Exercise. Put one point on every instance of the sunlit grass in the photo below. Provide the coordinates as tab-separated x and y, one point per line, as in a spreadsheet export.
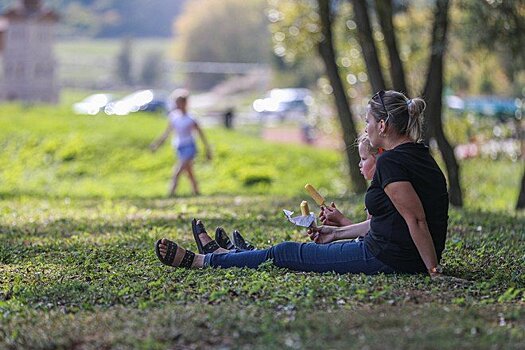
83	201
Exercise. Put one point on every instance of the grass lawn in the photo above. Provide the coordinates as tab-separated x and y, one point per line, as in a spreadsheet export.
93	63
82	202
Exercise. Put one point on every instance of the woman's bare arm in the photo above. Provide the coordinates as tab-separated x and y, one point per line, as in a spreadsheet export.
408	204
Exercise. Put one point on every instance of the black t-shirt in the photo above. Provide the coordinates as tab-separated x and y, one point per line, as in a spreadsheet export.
389	239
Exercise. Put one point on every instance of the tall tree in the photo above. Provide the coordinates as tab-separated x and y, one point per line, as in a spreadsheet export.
499	26
433	92
367	43
385	16
521	198
327	53
222	31
124	69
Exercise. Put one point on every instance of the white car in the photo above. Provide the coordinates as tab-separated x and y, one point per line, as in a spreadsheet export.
143	100
92	104
282	102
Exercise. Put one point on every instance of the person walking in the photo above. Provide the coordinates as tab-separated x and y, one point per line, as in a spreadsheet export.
183	126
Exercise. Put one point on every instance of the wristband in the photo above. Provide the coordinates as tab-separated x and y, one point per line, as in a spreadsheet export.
436	269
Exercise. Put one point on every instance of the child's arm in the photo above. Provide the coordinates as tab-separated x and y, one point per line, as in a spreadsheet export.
327	234
333	217
204	140
157	143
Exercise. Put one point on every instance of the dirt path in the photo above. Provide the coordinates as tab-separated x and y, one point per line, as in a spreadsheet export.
294	135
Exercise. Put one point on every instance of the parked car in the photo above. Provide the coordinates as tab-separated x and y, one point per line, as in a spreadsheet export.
491	106
143	100
92	104
284	103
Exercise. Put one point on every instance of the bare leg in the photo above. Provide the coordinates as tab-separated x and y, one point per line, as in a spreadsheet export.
198	262
193	180
179	168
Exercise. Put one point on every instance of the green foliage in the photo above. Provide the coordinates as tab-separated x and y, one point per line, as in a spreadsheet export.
222	31
66	263
498	26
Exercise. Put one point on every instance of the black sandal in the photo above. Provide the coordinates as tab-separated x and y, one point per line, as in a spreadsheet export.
198	228
222	239
240	242
168	259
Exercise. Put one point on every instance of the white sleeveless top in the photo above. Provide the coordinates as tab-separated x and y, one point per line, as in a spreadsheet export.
183	125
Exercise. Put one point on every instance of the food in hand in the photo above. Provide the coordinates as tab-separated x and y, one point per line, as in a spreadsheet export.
305	210
315	195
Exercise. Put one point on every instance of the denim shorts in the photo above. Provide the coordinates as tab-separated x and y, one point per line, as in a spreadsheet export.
187	151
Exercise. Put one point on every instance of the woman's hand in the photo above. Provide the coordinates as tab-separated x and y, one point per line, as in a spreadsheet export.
153	147
333	217
322	234
208	154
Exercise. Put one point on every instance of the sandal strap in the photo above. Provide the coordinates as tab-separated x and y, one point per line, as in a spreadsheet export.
199	228
170	253
188	259
210	247
221	237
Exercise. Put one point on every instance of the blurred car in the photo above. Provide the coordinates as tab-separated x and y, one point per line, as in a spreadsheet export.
92	104
491	106
143	100
284	102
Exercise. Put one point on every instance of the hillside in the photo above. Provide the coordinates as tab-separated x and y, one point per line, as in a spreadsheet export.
112	18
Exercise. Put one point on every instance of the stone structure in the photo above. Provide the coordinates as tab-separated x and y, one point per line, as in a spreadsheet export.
29	63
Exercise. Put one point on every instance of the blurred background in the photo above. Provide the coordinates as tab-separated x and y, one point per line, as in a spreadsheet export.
266	68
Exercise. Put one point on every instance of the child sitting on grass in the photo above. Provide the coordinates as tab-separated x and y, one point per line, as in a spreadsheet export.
330	215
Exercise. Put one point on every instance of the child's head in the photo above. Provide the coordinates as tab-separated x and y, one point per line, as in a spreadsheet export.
367	153
179	99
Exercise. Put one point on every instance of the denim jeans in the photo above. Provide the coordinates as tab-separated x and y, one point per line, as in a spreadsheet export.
339	257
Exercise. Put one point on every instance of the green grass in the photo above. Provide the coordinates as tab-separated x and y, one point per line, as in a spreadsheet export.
82	201
92	63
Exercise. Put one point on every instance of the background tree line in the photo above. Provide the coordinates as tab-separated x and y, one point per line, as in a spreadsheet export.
370	31
112	18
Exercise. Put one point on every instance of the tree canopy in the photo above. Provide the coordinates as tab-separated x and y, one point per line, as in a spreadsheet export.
222	31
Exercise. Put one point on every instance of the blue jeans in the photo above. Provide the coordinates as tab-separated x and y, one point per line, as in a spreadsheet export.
340	257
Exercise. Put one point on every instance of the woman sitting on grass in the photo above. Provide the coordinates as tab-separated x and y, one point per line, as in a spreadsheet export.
407	199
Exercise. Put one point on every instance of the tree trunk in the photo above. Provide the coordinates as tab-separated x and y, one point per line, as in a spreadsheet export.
385	15
366	41
521	198
433	96
327	53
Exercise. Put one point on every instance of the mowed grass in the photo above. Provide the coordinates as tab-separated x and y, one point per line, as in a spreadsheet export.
82	202
93	63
